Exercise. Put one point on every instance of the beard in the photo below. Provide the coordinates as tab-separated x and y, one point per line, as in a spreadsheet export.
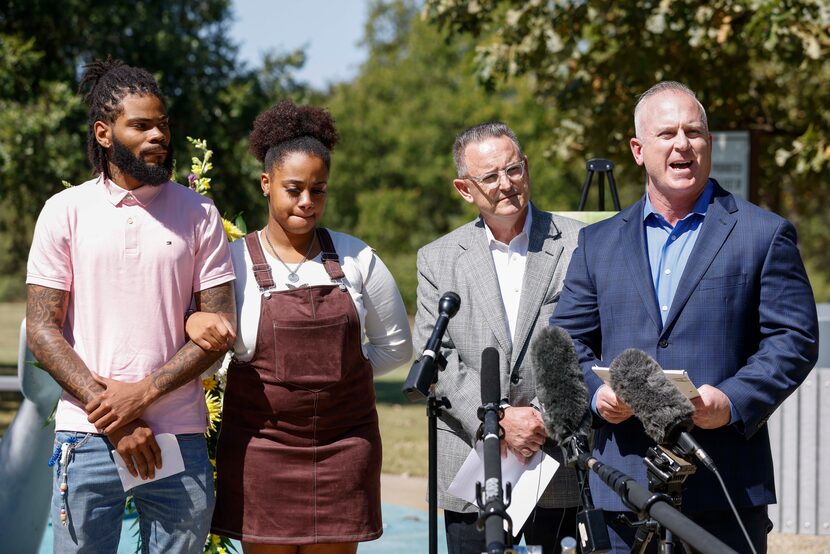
138	169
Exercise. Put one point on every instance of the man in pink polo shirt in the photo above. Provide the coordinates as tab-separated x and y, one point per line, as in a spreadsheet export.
113	267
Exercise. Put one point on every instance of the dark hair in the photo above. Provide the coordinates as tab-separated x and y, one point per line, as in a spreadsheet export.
286	128
111	80
479	133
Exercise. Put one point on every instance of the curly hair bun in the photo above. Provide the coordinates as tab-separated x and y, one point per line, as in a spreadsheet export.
286	121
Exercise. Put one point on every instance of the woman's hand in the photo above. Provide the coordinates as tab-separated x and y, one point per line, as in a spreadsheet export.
210	331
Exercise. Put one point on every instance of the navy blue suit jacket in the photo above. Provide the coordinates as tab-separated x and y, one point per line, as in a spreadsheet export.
743	319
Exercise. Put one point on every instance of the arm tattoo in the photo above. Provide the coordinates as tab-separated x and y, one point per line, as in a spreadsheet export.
45	314
190	361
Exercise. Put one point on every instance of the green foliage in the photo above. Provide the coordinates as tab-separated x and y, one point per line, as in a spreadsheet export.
185	44
403	267
392	171
761	65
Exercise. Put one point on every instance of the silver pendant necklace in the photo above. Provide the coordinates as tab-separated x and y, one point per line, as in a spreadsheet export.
292	275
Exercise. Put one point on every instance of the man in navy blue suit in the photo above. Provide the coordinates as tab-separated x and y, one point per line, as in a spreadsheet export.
702	281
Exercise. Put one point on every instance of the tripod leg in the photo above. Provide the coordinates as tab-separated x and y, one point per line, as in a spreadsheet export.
585	187
601	191
612	185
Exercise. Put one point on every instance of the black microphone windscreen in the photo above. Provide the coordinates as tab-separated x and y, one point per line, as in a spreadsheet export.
449	304
639	381
560	385
490	381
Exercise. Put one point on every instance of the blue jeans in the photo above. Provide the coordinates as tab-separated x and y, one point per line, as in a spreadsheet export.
173	513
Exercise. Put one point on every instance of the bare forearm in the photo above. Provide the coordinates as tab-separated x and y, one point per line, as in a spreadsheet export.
191	360
45	313
187	364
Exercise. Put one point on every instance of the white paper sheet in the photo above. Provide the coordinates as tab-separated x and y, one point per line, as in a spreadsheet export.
171	462
679	377
528	481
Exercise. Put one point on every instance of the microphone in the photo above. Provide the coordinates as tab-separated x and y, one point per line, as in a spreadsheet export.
423	373
560	386
492	503
666	414
561	389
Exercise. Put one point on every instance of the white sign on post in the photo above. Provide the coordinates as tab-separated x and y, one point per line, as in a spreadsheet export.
730	161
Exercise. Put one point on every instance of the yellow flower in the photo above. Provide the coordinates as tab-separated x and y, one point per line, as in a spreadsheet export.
214	406
232	231
209	384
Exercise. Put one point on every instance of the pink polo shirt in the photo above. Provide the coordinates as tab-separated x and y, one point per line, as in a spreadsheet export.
131	261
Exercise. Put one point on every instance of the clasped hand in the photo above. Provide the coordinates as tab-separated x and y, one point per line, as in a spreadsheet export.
137	445
524	432
712	408
118	404
210	331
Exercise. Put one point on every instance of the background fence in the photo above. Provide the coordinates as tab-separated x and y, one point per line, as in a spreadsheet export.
800	438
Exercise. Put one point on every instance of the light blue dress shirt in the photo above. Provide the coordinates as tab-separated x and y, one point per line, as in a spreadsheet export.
669	247
668	252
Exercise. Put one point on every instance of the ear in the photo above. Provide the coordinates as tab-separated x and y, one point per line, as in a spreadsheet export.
637	150
463	188
265	183
103	133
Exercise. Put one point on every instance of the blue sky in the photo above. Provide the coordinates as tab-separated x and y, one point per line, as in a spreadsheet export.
330	30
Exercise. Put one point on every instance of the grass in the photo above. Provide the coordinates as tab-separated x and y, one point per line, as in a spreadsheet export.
11	314
403	427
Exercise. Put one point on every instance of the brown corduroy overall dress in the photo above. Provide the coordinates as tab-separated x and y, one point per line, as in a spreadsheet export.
299	453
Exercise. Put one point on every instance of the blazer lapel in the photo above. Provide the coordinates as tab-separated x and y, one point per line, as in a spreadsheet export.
717	225
543	254
477	262
636	259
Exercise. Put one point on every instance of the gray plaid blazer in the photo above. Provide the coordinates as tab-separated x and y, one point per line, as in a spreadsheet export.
461	262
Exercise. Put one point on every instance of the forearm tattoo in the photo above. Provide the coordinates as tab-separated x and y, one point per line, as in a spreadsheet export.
190	361
45	314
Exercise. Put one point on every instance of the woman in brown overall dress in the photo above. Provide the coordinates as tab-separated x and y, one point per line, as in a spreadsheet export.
299	453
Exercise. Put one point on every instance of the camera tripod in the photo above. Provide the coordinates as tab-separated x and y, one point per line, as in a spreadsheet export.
603	167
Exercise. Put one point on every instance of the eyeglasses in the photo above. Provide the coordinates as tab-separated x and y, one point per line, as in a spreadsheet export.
513	172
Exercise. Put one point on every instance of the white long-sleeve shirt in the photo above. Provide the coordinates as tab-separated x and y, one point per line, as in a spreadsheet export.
385	334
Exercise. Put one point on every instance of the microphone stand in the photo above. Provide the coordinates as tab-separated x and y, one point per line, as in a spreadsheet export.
656	506
492	503
420	384
593	536
434	407
666	474
421	380
426	368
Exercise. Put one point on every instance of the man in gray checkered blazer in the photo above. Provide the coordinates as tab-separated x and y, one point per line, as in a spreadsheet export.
507	266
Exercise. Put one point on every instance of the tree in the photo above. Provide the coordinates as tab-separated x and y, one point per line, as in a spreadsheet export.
760	65
392	171
184	43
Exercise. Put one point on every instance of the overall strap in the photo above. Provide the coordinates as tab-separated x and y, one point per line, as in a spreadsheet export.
262	271
329	255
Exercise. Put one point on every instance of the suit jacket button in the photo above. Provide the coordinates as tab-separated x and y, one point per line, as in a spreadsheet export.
663	343
514	378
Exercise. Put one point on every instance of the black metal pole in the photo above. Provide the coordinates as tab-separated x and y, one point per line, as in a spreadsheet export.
613	186
432	417
584	197
601	191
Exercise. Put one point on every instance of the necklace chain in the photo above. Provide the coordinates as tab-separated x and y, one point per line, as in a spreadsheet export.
292	275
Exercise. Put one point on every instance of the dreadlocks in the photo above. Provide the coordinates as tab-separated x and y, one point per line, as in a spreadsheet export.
111	80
